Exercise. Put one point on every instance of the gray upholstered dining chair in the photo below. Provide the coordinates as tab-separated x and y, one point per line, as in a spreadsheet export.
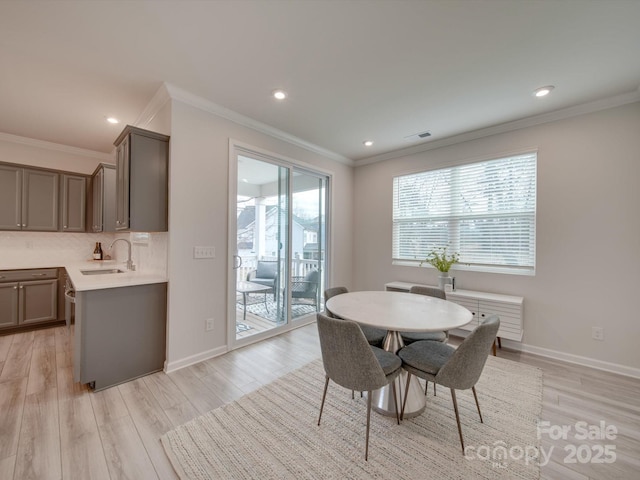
352	363
375	336
410	337
458	369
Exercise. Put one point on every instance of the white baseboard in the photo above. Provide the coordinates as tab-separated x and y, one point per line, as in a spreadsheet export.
185	362
577	359
566	357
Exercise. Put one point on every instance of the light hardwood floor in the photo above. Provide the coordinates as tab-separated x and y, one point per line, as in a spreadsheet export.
53	428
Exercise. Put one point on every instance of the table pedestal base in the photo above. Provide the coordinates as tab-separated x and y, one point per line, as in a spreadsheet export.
382	400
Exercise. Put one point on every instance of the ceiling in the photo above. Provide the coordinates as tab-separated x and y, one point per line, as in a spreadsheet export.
354	70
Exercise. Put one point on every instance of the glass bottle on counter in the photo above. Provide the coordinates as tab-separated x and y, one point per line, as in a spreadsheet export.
97	252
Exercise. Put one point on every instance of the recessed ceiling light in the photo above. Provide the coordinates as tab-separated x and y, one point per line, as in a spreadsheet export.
543	91
367	143
279	94
113	120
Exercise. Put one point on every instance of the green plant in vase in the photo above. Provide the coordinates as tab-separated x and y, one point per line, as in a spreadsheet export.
442	261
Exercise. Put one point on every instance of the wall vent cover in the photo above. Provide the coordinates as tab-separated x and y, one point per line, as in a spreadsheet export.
418	136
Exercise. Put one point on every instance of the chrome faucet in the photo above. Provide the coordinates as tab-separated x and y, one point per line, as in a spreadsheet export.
130	265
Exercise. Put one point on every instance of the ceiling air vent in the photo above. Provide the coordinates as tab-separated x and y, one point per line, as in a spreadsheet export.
418	136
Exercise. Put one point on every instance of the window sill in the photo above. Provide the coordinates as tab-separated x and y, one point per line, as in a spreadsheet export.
461	267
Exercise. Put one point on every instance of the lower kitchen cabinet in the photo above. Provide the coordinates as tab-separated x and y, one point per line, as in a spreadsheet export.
120	334
38	301
28	297
8	304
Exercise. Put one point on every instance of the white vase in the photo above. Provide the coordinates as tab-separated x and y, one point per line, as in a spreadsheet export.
443	279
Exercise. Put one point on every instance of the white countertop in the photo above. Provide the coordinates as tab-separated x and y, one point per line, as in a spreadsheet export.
83	282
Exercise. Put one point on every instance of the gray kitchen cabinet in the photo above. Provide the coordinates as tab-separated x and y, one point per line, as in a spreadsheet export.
120	334
28	199
142	163
39	200
28	297
8	304
10	197
103	195
74	201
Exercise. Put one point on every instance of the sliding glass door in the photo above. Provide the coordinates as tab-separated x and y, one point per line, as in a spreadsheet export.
279	247
307	242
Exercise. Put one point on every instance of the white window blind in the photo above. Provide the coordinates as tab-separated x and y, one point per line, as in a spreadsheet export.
485	211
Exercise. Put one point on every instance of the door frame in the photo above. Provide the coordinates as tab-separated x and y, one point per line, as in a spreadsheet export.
240	148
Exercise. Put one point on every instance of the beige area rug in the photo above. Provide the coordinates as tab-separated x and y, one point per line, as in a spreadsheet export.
272	433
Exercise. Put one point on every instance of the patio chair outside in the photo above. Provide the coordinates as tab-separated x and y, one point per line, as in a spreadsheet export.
304	290
266	273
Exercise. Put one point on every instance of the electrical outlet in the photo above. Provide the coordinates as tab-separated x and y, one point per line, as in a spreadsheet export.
597	333
208	324
204	252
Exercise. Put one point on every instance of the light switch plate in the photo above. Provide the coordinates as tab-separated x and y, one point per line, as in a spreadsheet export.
204	252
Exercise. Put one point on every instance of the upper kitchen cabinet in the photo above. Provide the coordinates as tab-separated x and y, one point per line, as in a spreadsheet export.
10	198
142	163
74	201
28	199
103	194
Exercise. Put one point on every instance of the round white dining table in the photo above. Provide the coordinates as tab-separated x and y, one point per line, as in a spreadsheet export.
399	312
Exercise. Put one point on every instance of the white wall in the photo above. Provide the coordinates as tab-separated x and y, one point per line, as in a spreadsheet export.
198	209
588	232
47	155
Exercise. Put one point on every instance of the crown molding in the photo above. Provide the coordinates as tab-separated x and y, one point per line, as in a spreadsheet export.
32	142
590	107
177	93
160	98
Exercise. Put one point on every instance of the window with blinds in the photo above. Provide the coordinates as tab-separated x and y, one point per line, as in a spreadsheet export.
485	211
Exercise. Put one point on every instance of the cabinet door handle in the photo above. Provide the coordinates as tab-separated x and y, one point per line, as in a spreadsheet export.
18	225
21	287
15	288
64	226
38	274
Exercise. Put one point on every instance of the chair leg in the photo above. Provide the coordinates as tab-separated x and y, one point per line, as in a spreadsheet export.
475	395
324	395
455	408
406	394
426	387
395	400
352	395
366	448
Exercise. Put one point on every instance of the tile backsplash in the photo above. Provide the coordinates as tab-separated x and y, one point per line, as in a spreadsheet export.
47	248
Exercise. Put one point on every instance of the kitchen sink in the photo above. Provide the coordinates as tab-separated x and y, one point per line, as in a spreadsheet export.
101	271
